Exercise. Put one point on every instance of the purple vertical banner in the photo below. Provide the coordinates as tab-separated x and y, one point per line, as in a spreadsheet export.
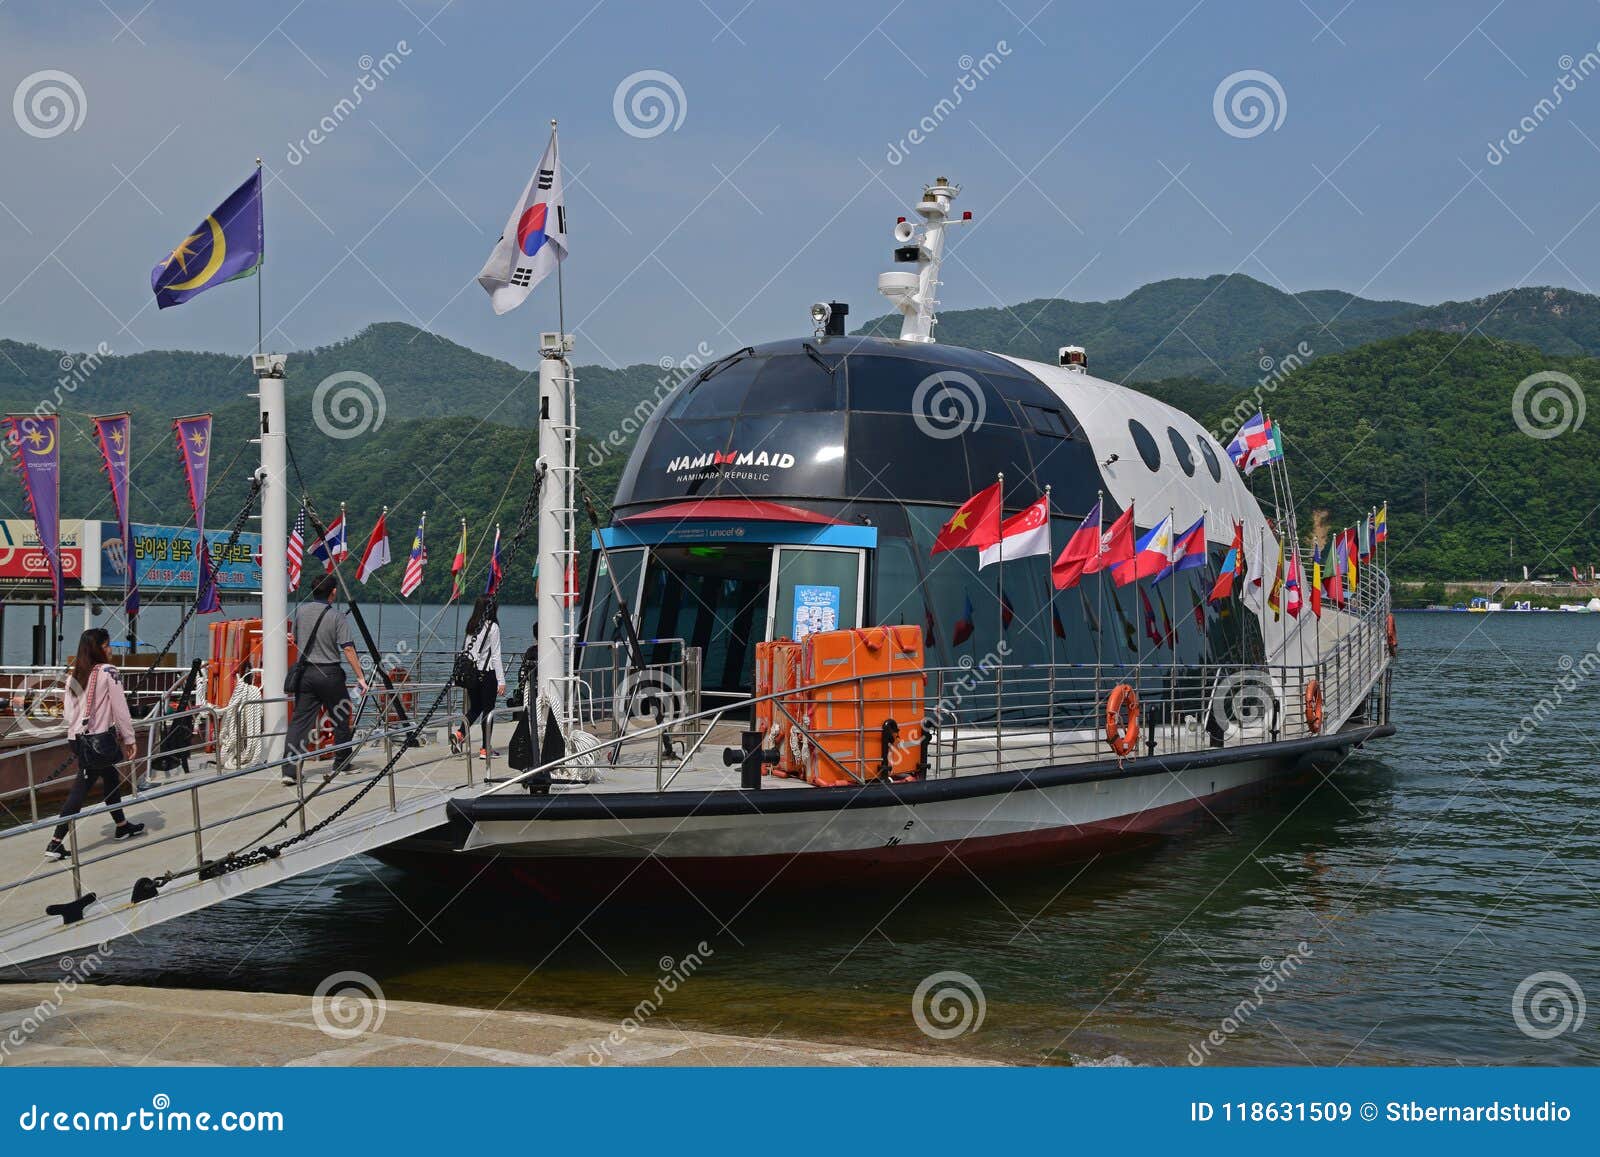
35	444
115	435
194	445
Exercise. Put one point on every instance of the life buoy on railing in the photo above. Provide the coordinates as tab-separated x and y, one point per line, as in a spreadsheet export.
1393	638
1314	707
1122	719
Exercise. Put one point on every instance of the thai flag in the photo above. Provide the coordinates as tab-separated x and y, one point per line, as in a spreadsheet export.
331	547
495	573
1150	554
297	549
1189	551
412	579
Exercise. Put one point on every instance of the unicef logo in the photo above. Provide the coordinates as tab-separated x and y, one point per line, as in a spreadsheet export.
48	103
348	404
648	103
948	404
1248	103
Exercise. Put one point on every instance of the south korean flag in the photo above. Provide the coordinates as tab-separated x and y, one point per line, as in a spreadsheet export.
535	237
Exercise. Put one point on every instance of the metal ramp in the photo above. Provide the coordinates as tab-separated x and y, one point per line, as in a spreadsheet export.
198	819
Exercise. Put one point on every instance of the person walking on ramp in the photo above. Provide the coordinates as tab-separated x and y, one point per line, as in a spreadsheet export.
100	734
323	634
487	680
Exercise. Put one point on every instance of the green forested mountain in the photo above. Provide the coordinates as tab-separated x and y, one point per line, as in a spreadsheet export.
1222	327
1416	410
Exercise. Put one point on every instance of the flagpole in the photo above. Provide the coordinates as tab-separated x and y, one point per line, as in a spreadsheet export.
1099	600
260	262
1050	626
1172	630
422	538
1000	592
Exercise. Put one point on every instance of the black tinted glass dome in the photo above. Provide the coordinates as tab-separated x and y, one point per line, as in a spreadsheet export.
857	417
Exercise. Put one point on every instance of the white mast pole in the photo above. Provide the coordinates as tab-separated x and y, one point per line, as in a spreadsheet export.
269	370
553	633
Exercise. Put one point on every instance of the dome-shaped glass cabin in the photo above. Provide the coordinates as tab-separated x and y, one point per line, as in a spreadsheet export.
799	485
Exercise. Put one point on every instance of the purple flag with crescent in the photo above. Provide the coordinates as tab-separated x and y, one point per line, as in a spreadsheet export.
35	444
115	434
194	444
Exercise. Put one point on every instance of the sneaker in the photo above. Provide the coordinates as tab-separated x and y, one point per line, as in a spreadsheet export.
55	850
290	781
127	831
458	742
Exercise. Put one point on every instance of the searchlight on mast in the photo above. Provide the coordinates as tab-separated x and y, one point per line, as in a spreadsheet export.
914	294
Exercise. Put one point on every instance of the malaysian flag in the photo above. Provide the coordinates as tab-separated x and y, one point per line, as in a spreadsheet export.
297	549
412	579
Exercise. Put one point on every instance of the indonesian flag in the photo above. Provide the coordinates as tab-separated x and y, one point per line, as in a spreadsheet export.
1150	555
376	553
976	523
1116	544
412	578
535	238
1021	535
1080	550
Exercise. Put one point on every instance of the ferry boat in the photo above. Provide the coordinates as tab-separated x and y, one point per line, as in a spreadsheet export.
792	491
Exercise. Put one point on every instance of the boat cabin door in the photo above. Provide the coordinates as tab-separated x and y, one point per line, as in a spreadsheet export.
815	588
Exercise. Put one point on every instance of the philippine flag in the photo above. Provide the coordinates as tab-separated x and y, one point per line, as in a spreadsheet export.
1150	555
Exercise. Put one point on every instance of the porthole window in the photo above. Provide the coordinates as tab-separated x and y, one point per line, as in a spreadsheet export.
1181	449
1145	444
1210	456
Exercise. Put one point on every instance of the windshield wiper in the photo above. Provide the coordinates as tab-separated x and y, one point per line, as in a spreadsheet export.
724	362
811	352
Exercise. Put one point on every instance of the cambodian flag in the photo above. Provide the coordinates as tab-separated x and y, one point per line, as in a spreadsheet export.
1189	551
495	573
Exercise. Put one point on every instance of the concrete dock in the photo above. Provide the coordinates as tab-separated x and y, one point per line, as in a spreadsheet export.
122	1025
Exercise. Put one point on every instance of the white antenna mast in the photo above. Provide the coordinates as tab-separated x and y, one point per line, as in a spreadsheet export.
915	295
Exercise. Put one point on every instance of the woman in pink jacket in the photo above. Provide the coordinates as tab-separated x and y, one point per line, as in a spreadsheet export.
95	703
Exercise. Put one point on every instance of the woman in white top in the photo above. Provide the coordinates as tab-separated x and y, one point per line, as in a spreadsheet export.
482	647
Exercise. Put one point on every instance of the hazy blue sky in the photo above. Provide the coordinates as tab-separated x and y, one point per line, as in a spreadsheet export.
1090	155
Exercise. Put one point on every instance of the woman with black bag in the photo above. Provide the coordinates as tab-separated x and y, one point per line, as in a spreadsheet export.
482	675
100	734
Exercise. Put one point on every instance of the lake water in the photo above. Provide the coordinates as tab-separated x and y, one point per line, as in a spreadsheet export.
1397	903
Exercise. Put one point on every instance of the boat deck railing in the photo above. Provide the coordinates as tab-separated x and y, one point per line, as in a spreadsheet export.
994	716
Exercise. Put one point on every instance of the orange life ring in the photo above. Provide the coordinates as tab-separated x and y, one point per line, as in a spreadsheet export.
1393	637
1122	719
1314	706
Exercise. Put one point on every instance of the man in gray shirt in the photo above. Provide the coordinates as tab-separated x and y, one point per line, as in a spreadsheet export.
322	632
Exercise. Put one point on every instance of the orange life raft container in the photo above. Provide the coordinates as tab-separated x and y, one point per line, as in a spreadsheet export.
869	727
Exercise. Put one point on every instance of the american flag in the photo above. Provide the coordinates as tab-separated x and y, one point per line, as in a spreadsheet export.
412	579
297	549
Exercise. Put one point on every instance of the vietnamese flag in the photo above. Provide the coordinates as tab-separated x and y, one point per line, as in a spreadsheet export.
1116	545
1080	551
976	523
